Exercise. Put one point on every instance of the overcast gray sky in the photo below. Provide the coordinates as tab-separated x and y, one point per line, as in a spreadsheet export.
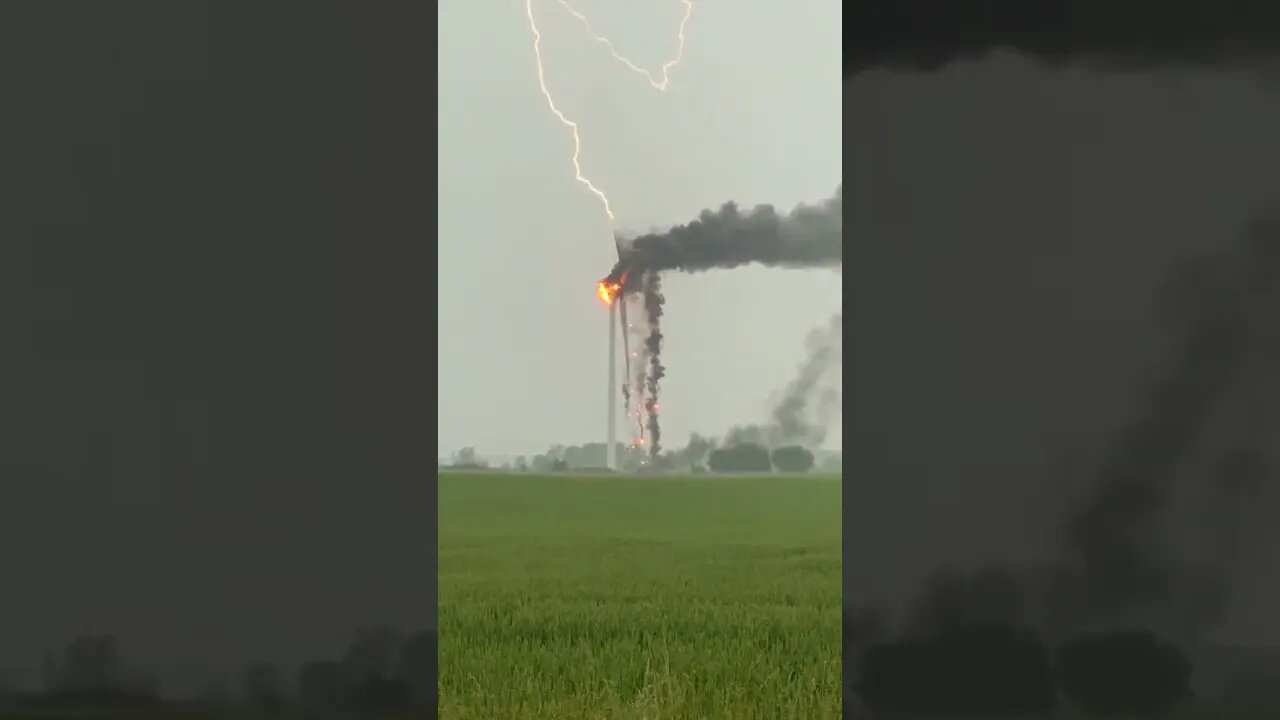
752	114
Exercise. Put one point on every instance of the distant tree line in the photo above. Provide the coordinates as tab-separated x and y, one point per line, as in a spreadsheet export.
466	458
701	454
752	457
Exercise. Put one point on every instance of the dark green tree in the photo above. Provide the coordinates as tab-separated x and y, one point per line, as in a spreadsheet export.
744	458
466	457
792	459
695	453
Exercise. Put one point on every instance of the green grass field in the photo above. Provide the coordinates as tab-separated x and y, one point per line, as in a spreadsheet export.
663	598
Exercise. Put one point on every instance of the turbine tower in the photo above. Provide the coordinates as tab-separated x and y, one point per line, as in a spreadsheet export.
617	318
611	402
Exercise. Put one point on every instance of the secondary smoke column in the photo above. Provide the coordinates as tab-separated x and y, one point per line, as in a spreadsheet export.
792	417
809	401
809	236
924	35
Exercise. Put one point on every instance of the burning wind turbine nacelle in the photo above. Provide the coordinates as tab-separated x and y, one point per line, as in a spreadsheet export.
608	291
610	287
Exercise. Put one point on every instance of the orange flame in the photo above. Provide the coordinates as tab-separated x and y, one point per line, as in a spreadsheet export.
608	291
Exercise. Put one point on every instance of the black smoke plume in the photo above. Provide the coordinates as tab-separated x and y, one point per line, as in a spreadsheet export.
925	35
809	236
626	394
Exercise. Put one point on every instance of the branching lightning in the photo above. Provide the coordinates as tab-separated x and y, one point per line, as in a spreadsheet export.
658	81
573	127
655	83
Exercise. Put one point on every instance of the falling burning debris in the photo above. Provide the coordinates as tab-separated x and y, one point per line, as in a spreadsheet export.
653	300
635	388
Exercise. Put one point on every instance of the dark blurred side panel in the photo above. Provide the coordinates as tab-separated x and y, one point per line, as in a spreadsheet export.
216	251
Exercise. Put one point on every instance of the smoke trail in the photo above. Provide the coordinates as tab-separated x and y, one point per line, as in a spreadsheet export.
653	300
810	236
825	347
626	394
804	413
926	35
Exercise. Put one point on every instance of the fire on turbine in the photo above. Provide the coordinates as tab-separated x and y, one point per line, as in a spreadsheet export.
609	288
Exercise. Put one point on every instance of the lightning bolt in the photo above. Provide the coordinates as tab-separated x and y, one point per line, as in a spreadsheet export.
659	83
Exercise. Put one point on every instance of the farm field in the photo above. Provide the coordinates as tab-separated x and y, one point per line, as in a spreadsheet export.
621	597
